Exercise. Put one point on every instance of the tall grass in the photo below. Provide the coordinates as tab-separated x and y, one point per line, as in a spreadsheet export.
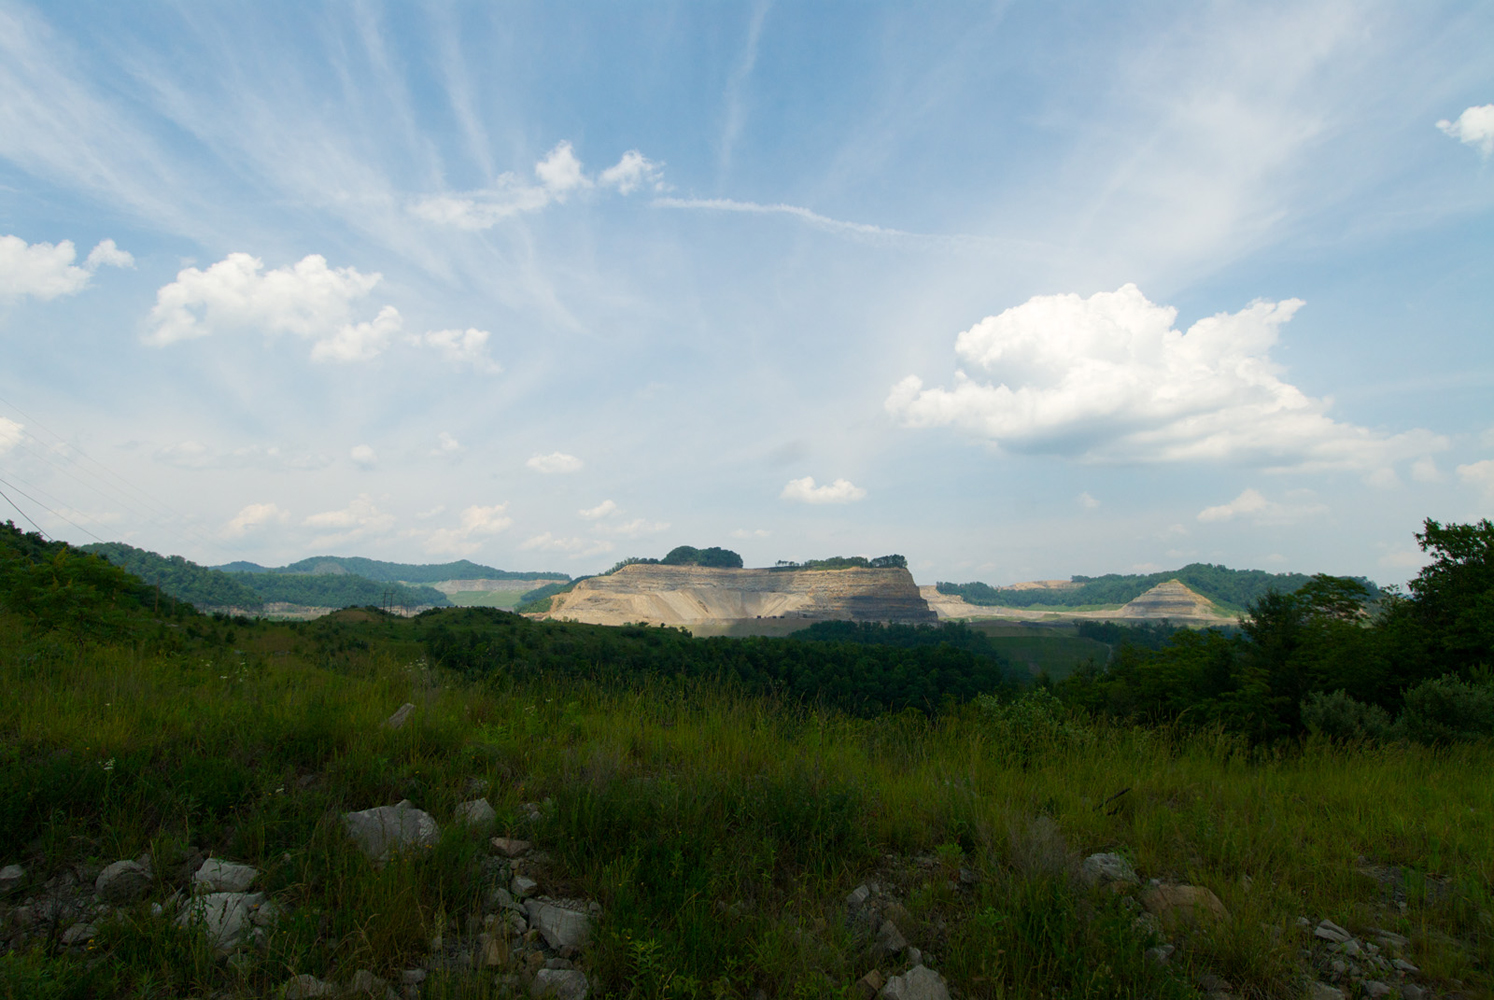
719	832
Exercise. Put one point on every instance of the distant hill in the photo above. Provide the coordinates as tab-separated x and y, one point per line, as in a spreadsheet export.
326	590
1231	589
183	579
391	572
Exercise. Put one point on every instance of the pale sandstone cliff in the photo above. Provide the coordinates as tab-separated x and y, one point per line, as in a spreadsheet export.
686	595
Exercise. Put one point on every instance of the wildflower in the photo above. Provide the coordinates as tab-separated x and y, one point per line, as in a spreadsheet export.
109	764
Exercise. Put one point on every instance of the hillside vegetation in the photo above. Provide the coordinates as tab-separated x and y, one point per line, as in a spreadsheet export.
744	818
1231	589
391	572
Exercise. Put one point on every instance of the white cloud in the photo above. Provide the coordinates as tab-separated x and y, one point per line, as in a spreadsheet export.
10	434
363	456
636	528
462	348
1107	378
1475	127
600	510
447	445
1424	470
575	547
555	462
256	515
359	519
1251	505
632	172
1480	474
805	491
476	524
1086	501
754	533
560	174
45	270
196	455
308	299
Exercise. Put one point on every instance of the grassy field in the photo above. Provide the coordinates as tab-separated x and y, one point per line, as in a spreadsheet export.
505	599
720	834
1052	650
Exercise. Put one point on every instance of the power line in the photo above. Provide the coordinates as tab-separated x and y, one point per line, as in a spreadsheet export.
49	510
27	517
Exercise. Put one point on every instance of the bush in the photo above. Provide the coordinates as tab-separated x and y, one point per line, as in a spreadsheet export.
1343	719
1448	710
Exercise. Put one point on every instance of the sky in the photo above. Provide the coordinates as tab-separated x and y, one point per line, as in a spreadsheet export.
1017	290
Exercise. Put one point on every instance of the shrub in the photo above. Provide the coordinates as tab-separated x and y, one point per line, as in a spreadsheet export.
1447	710
1342	718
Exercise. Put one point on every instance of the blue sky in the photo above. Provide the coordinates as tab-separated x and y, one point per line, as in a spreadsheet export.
1017	290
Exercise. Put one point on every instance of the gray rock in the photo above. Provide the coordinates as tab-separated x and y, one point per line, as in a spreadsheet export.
1390	939
1323	991
890	940
412	977
1405	966
858	895
510	848
305	986
1374	988
225	917
385	830
268	914
478	812
122	882
217	875
401	714
1161	954
78	934
11	877
1410	991
563	984
915	957
918	983
1329	931
523	886
1100	869
561	928
364	981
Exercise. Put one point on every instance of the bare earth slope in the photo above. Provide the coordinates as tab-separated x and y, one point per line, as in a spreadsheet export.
690	595
1173	600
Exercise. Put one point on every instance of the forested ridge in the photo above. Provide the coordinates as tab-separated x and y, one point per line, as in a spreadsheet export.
392	572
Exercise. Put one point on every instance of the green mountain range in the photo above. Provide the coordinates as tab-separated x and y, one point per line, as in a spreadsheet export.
390	572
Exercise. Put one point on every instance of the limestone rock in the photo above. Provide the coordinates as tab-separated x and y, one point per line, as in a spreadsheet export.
478	812
510	848
1099	869
122	882
522	886
890	940
383	830
225	917
364	981
1329	931
1374	989
1173	600
1183	904
561	928
217	875
11	876
563	984
401	714
870	985
858	895
918	983
78	934
1324	991
305	986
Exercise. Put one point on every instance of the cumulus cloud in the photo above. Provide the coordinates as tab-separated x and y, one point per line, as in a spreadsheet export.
447	445
1475	127
256	515
1424	470
10	434
363	456
477	523
1086	501
307	299
559	175
359	519
633	171
1107	378
555	462
600	510
46	270
1251	505
574	547
805	491
1480	474
462	348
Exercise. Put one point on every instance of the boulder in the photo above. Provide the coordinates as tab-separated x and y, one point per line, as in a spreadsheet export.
78	934
1329	931
217	875
869	985
11	877
858	895
918	983
366	982
122	882
563	984
523	886
1101	869
561	928
304	986
225	917
385	830
478	812
1324	991
397	720
510	848
1183	904
890	940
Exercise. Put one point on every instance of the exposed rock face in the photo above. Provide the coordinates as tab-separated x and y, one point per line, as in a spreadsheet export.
684	595
1173	599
